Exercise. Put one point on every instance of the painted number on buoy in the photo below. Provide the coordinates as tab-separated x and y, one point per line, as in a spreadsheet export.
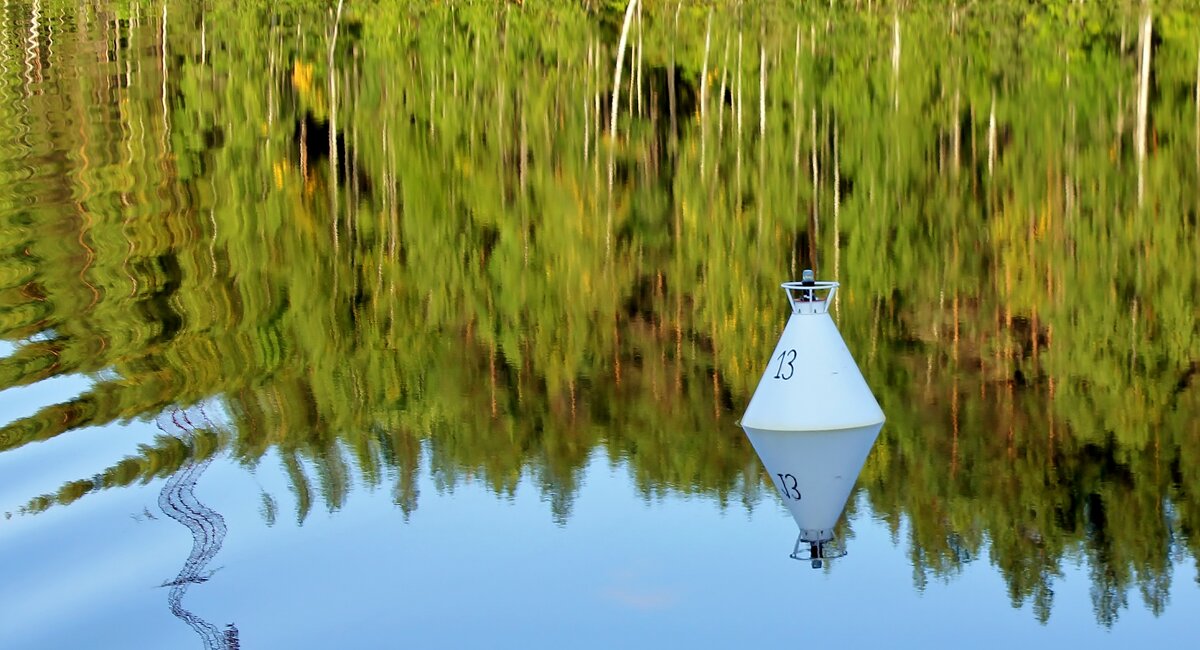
791	488
786	357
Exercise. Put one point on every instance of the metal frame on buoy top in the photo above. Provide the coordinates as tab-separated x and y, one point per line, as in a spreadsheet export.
809	296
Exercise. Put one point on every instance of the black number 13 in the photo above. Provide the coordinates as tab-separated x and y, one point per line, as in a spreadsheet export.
787	356
791	489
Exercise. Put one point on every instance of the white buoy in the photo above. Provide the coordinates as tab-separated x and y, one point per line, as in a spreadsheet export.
812	419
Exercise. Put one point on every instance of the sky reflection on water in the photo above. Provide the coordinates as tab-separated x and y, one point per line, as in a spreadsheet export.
471	569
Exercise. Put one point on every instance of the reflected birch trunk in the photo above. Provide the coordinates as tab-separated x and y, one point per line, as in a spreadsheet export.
165	73
5	46
597	118
1121	96
386	207
616	96
352	160
333	121
837	212
272	67
633	78
587	107
640	52
523	164
762	138
896	62
798	85
738	144
704	94
33	59
1143	105
612	129
721	109
956	135
1072	150
671	99
816	203
991	137
762	92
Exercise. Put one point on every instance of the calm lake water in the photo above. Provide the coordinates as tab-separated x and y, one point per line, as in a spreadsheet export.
430	325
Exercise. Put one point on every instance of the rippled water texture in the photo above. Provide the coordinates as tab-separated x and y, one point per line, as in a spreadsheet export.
373	324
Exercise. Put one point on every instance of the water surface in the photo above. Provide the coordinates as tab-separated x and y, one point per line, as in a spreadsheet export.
405	324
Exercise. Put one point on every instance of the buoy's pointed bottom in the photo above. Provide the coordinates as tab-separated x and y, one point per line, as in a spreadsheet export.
814	471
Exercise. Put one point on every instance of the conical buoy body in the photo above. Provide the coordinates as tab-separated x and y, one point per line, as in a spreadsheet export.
812	420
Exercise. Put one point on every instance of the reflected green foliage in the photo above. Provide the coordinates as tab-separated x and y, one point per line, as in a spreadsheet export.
408	231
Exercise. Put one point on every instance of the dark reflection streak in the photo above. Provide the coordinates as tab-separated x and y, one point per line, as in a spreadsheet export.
178	501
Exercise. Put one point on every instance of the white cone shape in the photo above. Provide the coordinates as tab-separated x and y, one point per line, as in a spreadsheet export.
812	420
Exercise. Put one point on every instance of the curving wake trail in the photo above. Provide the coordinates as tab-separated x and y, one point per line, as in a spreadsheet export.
178	501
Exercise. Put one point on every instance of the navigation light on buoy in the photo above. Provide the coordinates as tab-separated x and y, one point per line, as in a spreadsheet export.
812	420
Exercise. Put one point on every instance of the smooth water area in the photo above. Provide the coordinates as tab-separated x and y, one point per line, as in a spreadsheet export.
374	324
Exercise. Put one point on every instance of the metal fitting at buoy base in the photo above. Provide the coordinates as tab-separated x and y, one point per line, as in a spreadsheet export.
817	550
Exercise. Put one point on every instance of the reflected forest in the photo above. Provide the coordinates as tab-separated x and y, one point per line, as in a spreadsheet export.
493	239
